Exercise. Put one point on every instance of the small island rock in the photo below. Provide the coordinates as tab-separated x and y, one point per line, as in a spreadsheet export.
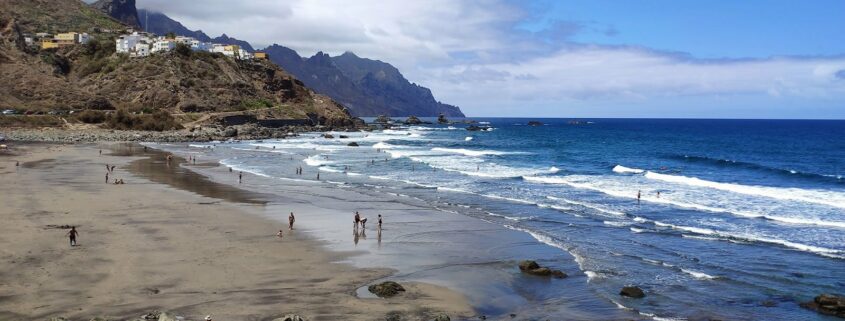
632	292
386	289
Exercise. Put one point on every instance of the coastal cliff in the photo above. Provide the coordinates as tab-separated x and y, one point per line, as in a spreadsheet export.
184	83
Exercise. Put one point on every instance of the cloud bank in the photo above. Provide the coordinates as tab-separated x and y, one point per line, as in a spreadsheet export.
476	55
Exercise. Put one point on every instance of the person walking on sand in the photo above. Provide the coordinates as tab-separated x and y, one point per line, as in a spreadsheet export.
72	234
379	223
639	195
107	177
240	177
291	219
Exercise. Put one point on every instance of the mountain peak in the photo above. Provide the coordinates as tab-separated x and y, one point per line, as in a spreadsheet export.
122	10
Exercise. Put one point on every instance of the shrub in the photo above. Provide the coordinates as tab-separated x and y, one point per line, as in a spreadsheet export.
256	103
183	50
91	116
158	121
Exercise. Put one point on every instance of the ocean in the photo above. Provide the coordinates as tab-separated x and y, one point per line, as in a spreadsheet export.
737	219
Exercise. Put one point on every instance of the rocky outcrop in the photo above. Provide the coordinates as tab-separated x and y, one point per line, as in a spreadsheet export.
531	267
442	317
632	292
122	10
290	317
413	120
352	144
386	289
827	304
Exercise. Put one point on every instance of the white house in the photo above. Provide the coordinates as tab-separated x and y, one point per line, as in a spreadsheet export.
141	49
197	45
128	43
163	46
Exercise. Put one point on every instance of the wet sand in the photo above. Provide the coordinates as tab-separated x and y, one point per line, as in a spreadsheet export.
169	240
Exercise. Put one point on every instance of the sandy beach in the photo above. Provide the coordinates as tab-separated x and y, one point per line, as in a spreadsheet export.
147	246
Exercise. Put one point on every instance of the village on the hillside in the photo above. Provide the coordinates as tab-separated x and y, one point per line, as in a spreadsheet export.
142	44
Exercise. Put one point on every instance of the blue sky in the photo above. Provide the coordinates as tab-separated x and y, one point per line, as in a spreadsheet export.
573	58
705	29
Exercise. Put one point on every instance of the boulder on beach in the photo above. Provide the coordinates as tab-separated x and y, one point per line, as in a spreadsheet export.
353	144
632	292
164	316
828	304
290	317
442	317
386	289
531	267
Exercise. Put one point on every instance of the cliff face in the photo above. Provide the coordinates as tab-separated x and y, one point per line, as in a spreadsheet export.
122	10
368	87
94	76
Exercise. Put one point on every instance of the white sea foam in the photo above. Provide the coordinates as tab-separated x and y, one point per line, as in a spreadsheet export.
828	198
554	169
317	160
698	275
468	138
587	205
626	170
469	152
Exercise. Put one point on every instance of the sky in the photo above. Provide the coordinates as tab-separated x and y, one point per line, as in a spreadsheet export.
571	58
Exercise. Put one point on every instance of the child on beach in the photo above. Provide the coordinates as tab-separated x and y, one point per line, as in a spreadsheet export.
72	235
279	234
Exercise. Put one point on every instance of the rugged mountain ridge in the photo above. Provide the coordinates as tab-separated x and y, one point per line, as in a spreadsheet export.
122	10
93	76
344	78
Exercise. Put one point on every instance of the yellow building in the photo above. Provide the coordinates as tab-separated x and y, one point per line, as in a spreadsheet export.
49	44
260	55
67	38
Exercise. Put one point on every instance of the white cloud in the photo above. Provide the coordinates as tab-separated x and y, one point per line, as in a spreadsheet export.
471	53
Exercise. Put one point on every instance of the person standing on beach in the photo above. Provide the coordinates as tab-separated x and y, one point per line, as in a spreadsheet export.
291	219
101	152
639	195
379	223
318	176
240	177
72	234
107	177
357	219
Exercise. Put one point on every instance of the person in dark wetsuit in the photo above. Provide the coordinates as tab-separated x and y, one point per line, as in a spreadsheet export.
72	234
291	219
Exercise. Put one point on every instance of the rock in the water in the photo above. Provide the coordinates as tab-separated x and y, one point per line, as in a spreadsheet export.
441	119
828	304
528	265
342	136
386	289
442	317
290	317
534	123
531	267
353	144
632	292
329	136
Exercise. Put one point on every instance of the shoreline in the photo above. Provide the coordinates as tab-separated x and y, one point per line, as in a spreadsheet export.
217	256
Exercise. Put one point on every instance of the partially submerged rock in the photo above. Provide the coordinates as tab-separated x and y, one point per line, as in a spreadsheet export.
828	304
386	289
353	144
632	292
531	267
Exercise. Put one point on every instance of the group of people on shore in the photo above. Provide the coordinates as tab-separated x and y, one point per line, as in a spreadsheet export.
362	221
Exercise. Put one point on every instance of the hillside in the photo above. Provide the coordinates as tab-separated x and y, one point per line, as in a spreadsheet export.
343	78
93	76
